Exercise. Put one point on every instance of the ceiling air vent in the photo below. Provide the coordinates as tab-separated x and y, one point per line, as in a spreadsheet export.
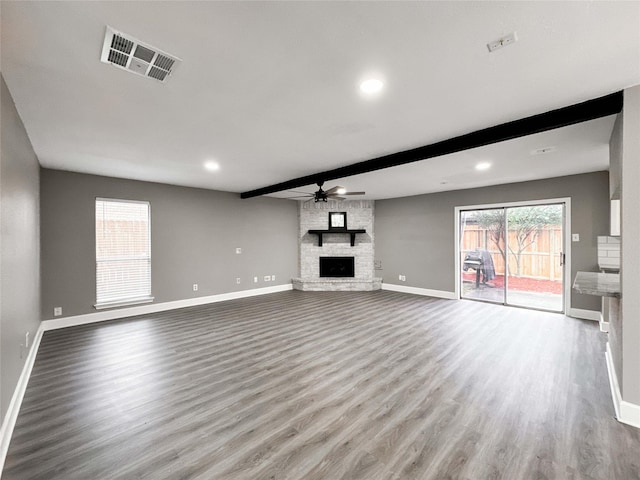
129	53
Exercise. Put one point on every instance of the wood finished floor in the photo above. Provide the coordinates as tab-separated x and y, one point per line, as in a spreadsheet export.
330	385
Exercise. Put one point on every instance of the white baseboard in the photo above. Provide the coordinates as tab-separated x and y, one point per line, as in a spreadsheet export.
9	422
54	324
613	381
626	412
419	291
594	315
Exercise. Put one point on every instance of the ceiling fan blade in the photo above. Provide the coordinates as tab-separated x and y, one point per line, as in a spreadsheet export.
336	197
354	193
333	189
298	191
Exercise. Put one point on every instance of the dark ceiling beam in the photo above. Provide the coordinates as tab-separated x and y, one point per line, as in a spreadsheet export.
562	117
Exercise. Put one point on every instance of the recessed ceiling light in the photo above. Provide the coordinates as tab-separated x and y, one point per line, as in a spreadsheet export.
211	165
371	86
483	166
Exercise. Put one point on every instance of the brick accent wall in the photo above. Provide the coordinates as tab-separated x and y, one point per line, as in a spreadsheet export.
316	216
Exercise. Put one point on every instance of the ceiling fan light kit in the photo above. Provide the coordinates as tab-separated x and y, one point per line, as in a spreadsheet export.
334	193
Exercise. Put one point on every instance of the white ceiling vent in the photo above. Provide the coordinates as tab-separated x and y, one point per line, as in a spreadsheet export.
129	53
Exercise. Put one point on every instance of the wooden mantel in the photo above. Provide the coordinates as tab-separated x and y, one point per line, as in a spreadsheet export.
352	233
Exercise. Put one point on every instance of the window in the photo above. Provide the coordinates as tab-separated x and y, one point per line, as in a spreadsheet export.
123	252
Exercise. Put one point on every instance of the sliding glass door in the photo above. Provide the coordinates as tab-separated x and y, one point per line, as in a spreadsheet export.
482	254
514	255
535	270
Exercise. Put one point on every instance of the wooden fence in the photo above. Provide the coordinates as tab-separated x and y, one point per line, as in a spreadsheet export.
540	260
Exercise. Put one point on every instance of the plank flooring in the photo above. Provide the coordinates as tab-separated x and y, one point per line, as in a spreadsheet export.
324	385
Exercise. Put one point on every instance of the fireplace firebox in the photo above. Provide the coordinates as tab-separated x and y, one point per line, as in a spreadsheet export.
337	266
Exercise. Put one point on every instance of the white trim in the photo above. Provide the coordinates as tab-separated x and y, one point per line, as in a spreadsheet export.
626	412
613	381
419	291
629	413
547	201
594	315
121	200
604	326
9	422
525	203
53	324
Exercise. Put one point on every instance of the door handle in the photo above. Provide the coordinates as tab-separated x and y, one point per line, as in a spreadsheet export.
562	259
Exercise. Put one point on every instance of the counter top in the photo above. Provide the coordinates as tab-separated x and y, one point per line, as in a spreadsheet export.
601	284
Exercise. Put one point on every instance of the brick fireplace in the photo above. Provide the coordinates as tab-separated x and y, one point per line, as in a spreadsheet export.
315	216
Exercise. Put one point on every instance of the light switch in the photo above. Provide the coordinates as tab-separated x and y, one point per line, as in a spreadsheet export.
575	237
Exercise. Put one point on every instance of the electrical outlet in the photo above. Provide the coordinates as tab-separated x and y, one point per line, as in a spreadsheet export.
575	237
402	278
255	279
26	340
195	287
238	250
57	311
238	280
267	278
273	278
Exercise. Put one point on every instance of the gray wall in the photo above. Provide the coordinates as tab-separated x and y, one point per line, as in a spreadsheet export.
20	247
615	179
415	236
615	158
194	233
629	335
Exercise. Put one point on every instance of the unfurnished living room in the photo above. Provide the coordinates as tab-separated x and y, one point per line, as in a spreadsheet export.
377	240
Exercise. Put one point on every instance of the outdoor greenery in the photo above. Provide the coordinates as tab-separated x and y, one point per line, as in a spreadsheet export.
525	224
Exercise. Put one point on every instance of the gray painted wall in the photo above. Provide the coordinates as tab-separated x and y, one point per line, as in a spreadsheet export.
194	233
20	247
615	158
630	259
415	235
615	179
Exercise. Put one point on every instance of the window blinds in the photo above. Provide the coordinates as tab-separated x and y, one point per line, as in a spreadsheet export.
123	252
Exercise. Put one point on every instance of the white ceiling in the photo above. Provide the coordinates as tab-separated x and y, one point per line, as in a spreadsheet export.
269	89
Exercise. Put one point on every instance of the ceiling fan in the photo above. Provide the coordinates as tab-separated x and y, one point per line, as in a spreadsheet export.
334	193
